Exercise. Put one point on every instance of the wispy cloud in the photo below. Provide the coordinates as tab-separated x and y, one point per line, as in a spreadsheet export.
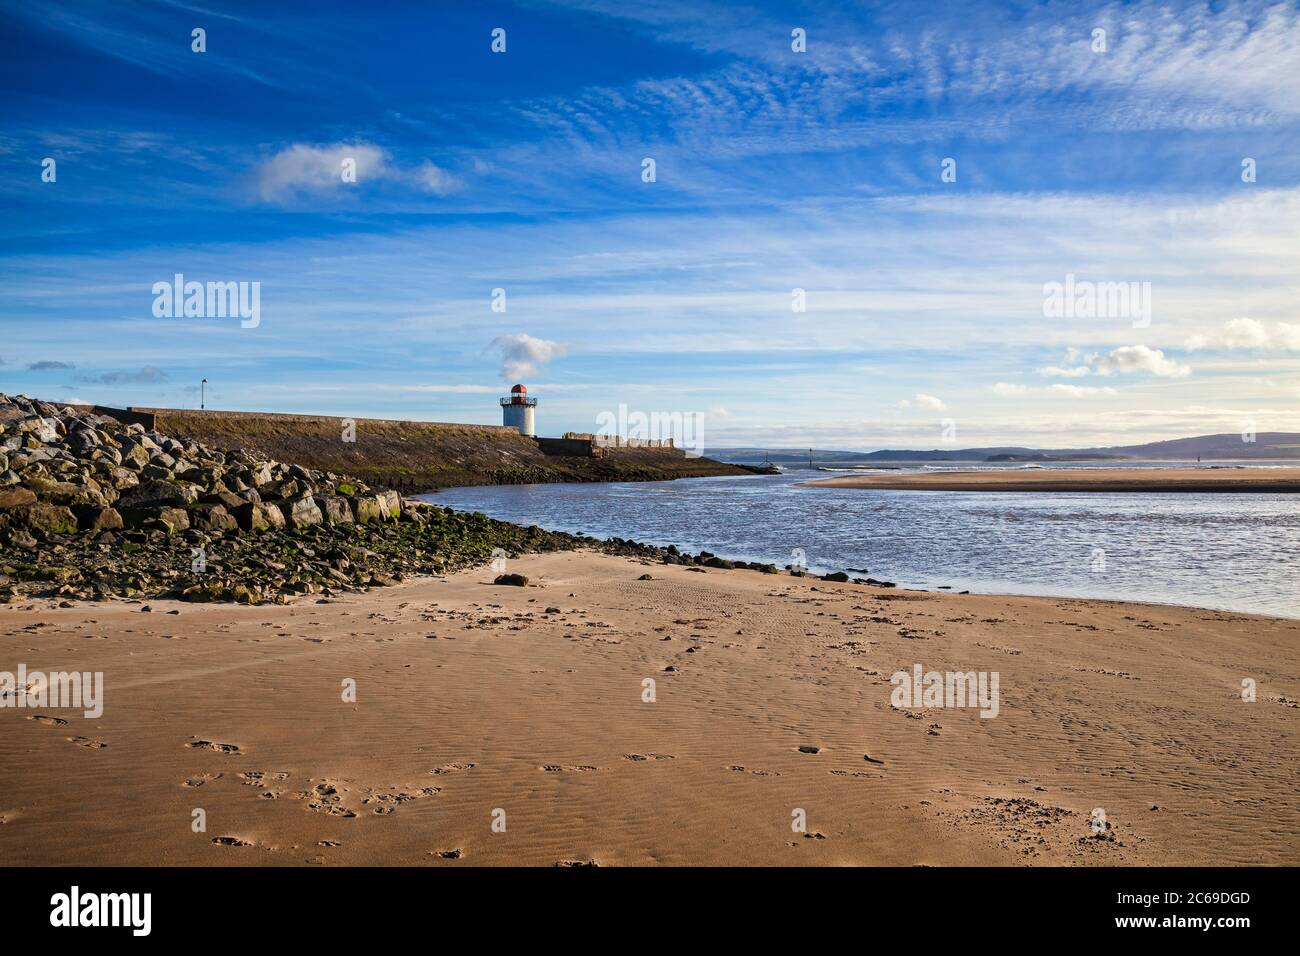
776	171
148	375
1247	333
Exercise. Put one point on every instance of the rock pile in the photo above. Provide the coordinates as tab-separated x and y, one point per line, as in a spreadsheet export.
91	508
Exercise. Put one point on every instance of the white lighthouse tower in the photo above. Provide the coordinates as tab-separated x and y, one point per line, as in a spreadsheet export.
517	411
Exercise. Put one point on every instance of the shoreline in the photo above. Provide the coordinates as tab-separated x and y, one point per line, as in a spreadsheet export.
1152	480
473	697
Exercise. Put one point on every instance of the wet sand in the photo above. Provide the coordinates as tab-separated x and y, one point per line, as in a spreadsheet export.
1164	480
476	705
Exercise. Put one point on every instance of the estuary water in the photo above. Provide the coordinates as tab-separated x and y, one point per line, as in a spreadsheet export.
1233	551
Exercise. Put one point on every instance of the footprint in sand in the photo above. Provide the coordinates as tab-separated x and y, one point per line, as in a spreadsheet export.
385	802
90	743
256	778
573	863
230	841
757	773
48	721
637	758
326	798
200	779
234	749
451	768
559	768
448	854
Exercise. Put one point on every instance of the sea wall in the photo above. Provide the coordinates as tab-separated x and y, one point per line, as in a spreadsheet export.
420	456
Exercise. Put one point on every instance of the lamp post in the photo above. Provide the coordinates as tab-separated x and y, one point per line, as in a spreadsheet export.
203	387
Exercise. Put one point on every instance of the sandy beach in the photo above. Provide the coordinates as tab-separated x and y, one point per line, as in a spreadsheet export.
1270	480
527	706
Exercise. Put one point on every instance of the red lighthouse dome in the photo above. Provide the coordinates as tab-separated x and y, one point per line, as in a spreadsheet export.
518	390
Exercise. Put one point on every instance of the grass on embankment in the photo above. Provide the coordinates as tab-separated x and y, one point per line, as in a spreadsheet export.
422	455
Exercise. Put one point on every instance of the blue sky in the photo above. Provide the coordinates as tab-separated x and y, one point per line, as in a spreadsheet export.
775	170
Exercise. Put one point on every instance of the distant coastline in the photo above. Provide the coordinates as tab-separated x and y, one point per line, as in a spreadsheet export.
1154	480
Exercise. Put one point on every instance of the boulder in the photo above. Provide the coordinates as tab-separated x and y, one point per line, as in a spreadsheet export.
368	508
335	509
172	520
301	512
44	430
93	518
514	580
252	516
83	441
44	518
16	498
232	501
19	538
213	518
164	517
135	457
274	516
67	492
151	494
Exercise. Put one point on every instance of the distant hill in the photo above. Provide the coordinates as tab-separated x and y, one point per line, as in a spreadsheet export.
1267	445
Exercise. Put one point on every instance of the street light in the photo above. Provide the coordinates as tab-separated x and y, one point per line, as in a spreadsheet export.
203	386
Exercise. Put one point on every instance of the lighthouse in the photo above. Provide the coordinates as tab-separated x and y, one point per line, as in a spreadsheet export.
517	411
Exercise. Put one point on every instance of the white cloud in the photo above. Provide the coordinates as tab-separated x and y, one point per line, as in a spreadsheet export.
1056	371
1080	391
1140	358
929	402
435	179
1010	390
523	356
1247	333
302	168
